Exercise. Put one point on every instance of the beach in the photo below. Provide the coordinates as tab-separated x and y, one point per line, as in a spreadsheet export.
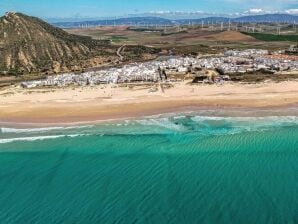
111	102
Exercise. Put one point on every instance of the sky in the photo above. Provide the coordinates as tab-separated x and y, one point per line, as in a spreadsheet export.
113	8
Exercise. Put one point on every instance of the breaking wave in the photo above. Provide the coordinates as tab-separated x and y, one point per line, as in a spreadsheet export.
40	130
166	123
37	138
173	124
207	125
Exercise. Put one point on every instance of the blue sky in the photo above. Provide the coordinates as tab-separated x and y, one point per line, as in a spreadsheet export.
110	8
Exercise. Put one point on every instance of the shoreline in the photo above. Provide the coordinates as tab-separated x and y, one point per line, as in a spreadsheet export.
227	111
78	106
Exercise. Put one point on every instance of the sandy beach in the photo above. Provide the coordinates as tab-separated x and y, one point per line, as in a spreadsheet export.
99	103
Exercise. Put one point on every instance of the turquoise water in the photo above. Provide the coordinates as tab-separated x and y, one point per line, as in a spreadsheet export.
172	169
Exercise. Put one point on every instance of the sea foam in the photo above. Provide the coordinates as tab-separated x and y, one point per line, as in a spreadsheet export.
37	138
39	130
193	124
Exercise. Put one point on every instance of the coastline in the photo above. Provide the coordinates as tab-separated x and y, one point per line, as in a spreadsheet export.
85	105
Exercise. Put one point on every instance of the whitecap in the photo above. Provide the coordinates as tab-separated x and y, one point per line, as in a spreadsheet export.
235	125
39	130
37	138
162	122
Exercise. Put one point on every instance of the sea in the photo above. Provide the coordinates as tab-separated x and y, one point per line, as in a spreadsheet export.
170	168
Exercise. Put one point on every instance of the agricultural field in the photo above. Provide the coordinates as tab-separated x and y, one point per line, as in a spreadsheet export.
187	40
273	37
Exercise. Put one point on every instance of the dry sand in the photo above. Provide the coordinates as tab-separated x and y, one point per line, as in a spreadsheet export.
87	104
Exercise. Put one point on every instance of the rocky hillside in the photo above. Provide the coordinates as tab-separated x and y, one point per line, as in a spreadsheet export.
30	45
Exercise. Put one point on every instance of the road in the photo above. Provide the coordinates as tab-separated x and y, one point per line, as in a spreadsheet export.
120	49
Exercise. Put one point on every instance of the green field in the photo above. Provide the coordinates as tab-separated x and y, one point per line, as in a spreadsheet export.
273	37
115	38
172	33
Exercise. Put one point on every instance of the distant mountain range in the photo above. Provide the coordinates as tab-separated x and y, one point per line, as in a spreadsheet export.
267	18
121	21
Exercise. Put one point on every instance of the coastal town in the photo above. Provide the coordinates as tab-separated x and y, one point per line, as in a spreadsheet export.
142	112
202	68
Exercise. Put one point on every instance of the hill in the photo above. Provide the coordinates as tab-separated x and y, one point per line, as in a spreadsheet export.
30	45
232	36
267	18
117	22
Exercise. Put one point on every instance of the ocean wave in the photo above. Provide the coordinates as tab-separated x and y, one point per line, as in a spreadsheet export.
166	123
174	124
289	119
251	122
40	130
37	138
215	125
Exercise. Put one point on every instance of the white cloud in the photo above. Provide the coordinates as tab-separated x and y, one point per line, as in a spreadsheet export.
292	11
202	14
255	11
